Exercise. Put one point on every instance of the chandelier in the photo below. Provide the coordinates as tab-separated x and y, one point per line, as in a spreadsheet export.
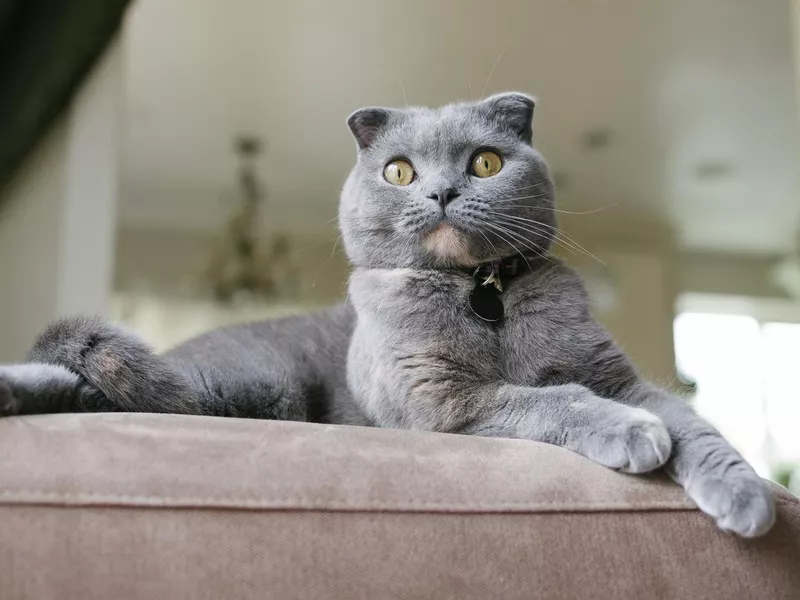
247	265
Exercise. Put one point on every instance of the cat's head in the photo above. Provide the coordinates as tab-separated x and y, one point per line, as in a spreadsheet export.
447	187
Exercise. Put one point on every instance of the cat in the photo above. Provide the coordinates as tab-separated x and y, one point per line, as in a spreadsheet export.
458	319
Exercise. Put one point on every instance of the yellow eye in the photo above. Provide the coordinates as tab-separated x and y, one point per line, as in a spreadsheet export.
399	172
486	164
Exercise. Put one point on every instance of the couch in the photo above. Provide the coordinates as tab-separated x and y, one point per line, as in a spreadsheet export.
119	506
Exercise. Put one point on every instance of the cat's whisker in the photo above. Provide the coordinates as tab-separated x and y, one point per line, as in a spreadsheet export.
558	231
542	232
566	212
494	66
531	197
403	89
335	244
508	231
520	240
522	254
496	251
540	226
555	234
525	187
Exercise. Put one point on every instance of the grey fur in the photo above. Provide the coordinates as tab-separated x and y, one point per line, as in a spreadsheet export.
405	351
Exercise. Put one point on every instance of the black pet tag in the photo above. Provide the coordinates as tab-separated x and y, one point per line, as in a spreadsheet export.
485	304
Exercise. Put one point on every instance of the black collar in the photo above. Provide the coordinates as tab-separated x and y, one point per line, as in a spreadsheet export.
498	272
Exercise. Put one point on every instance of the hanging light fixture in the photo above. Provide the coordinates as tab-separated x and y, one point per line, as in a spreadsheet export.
242	266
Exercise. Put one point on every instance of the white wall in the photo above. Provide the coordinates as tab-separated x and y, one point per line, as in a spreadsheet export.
29	240
57	219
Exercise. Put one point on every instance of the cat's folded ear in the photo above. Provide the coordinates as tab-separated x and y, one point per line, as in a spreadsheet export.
366	124
512	110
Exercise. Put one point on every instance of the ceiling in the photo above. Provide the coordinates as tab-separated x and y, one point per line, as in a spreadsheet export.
682	111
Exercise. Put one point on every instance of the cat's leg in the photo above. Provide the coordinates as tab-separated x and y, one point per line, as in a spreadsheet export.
612	434
86	365
35	388
713	474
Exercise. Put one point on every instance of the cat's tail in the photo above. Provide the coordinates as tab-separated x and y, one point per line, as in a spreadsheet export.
84	364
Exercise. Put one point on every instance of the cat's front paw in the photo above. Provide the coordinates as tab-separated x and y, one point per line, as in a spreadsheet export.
631	440
8	402
738	499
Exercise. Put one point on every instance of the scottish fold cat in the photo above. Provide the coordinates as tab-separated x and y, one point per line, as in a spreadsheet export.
458	320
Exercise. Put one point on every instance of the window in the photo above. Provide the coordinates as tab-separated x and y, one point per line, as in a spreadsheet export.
747	372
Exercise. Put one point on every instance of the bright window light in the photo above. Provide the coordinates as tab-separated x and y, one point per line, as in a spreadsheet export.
748	382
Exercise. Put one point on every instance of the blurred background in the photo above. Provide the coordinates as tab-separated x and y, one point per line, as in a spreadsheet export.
175	165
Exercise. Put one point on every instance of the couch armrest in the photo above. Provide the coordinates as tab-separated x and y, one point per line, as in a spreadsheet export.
166	506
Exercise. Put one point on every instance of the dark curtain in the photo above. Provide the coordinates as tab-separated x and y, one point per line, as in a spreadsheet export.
47	47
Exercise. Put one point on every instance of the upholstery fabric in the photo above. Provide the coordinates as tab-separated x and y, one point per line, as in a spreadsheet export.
166	506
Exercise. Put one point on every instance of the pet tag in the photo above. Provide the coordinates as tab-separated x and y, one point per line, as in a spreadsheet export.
485	304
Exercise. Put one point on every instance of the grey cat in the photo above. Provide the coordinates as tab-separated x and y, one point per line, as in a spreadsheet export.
443	210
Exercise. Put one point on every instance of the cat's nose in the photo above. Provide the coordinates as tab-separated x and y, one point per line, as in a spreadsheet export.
444	197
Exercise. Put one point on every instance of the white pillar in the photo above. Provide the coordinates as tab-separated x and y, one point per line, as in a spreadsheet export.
58	217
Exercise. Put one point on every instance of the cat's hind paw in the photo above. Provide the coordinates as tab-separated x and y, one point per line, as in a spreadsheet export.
739	500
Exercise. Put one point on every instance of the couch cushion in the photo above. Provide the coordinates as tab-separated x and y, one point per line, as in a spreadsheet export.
146	506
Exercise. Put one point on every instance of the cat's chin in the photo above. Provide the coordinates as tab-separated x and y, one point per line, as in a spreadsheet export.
449	245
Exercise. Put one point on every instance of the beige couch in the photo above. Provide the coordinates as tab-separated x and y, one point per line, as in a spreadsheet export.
158	506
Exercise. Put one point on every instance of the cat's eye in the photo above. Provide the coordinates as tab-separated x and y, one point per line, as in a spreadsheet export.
399	172
486	164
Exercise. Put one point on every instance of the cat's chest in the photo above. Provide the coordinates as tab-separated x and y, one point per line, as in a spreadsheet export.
419	309
419	349
410	298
